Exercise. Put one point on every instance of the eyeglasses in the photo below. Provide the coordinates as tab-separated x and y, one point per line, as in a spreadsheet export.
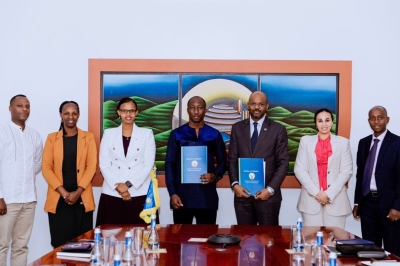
253	104
126	111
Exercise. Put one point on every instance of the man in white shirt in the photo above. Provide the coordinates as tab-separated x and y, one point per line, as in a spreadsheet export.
20	161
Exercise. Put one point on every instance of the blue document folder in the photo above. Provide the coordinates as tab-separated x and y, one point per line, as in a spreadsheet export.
194	163
251	174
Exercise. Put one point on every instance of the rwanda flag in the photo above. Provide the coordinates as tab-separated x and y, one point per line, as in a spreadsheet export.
153	198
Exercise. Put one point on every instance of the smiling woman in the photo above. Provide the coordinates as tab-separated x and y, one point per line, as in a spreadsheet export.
127	156
323	166
69	163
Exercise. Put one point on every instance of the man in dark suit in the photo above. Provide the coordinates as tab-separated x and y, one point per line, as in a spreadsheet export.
269	141
377	195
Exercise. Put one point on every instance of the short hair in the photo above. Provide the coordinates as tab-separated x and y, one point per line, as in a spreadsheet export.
259	92
378	107
320	111
196	97
126	100
13	98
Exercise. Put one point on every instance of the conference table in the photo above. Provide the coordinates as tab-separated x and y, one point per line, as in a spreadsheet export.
260	245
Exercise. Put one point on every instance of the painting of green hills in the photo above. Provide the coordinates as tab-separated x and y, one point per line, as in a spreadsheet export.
158	117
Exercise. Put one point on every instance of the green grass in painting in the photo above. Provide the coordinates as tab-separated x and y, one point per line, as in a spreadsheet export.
158	117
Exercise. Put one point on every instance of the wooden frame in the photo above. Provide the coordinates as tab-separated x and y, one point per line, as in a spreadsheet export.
96	66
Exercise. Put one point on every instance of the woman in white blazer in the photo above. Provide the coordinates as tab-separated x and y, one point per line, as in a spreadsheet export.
323	167
127	155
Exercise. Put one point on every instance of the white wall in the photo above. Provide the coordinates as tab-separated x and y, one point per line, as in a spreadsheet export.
45	47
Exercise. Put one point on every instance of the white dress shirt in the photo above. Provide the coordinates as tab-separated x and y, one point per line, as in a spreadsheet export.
20	162
380	137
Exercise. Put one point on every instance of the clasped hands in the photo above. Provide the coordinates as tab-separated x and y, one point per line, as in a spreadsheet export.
70	197
241	192
322	198
123	190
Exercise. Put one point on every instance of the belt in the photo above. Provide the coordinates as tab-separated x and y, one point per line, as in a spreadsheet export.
374	194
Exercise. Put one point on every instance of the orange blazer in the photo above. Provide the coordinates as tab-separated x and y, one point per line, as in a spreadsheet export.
52	167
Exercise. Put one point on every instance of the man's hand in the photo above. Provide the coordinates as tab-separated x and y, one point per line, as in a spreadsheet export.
393	215
3	207
121	188
241	192
207	178
263	194
322	198
356	215
126	196
176	201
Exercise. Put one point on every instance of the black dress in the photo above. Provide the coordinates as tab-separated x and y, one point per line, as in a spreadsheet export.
69	221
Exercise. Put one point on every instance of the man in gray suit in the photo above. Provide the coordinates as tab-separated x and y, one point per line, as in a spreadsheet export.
258	137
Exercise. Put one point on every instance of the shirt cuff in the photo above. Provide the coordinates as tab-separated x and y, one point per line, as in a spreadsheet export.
234	183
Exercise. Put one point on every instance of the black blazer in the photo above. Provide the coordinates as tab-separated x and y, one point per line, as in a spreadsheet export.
271	145
387	172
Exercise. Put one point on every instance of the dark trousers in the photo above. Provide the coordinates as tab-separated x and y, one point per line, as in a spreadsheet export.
252	212
375	226
69	222
203	216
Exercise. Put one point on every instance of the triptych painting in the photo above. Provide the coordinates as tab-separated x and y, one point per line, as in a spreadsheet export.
162	98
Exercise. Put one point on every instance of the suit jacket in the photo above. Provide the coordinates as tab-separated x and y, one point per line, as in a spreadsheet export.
387	172
53	155
340	169
271	146
135	167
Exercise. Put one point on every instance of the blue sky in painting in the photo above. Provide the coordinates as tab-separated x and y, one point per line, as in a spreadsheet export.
301	92
118	85
189	81
293	92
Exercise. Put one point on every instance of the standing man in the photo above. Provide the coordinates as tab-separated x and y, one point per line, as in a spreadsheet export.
377	195
258	137
195	200
20	161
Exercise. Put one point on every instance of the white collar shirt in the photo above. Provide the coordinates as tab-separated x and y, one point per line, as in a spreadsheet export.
259	125
380	137
20	162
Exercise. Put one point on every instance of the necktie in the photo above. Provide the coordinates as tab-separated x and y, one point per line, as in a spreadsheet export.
369	166
254	137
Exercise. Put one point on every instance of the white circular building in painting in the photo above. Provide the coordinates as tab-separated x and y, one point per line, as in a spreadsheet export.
222	117
224	100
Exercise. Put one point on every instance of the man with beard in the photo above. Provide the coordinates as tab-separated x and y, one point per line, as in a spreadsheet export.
258	137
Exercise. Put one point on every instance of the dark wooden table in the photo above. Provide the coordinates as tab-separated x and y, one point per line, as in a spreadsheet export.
260	245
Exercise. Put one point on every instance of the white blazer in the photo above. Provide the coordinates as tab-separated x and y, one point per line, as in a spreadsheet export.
135	167
340	169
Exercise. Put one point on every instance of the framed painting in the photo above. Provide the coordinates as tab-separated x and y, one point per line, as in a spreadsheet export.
161	88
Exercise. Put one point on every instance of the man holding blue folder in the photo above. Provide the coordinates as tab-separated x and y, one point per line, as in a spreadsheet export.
258	137
194	198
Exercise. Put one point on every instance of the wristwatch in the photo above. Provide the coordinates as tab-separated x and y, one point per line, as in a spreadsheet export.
271	190
129	184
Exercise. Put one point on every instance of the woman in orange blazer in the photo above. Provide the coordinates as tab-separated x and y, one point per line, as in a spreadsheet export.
68	165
